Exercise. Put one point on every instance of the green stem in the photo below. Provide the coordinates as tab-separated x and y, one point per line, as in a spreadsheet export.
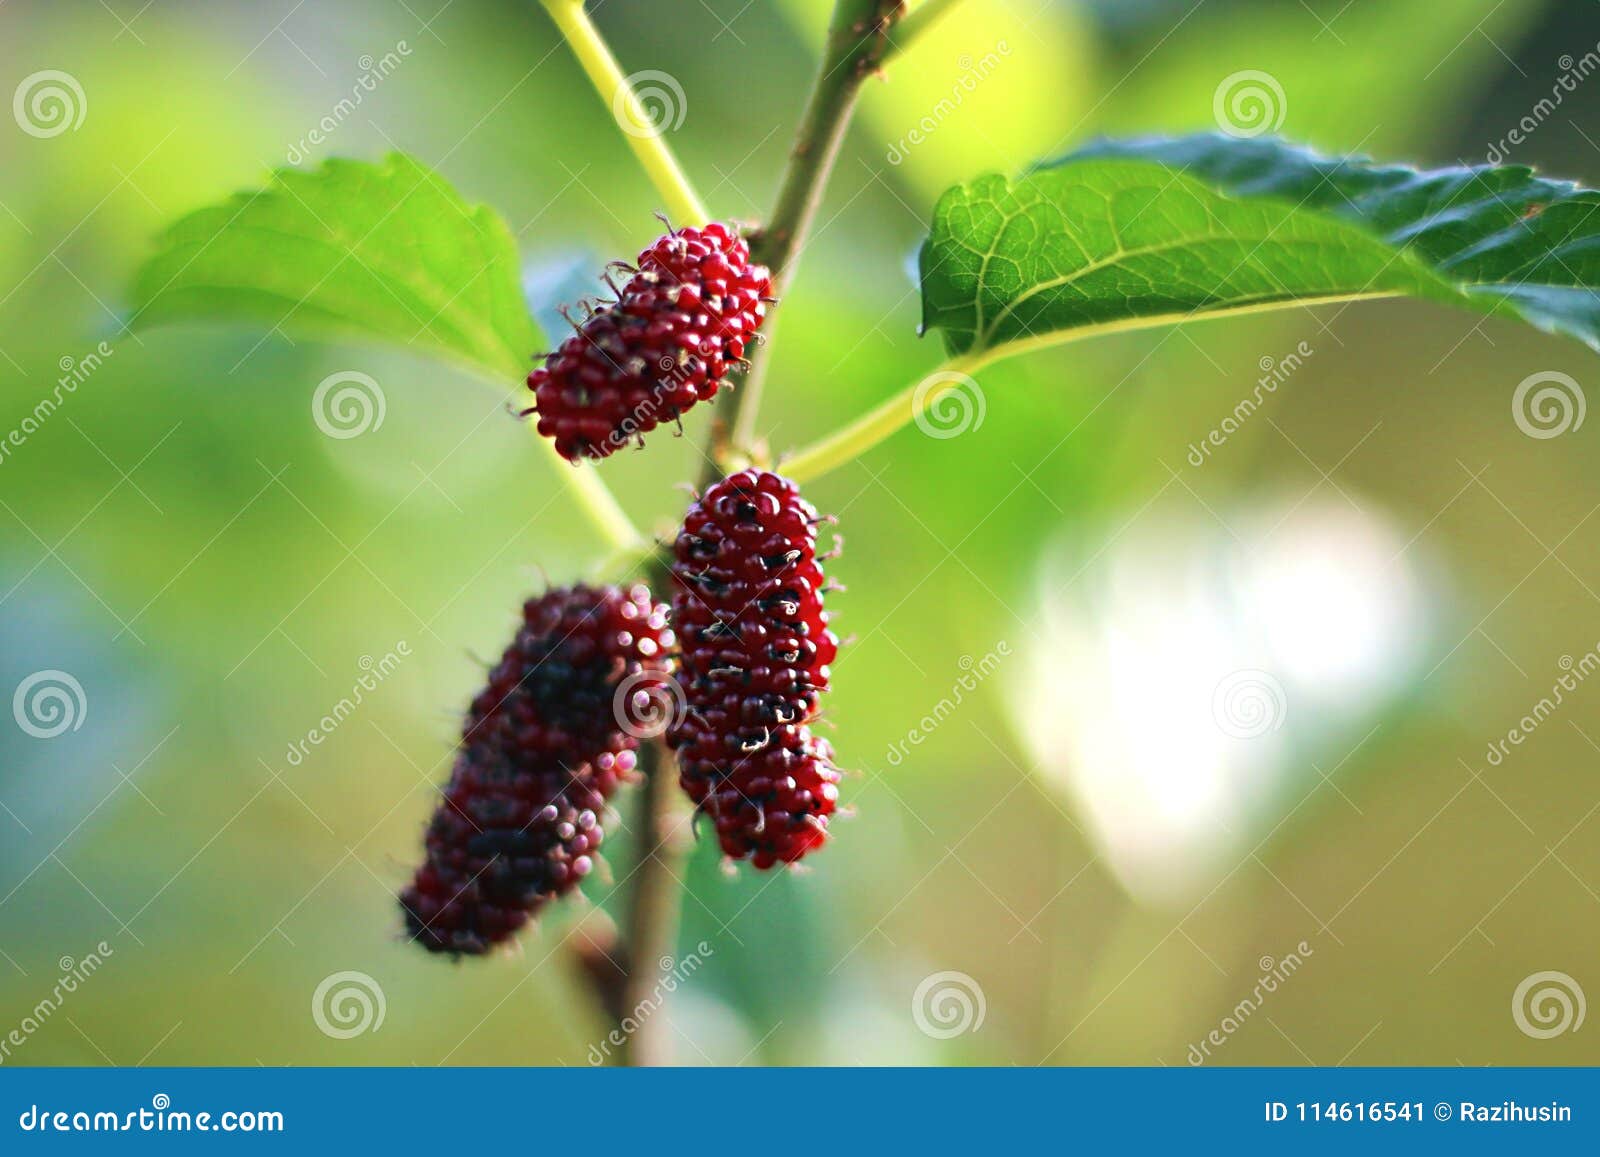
597	501
594	497
852	440
858	39
918	21
682	203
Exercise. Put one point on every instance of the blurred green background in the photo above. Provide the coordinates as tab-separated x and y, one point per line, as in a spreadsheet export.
1108	869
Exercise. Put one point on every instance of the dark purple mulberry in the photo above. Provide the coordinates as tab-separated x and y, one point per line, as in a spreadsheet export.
543	747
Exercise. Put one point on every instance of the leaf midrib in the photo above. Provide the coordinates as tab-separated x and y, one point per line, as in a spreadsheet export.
976	357
1093	267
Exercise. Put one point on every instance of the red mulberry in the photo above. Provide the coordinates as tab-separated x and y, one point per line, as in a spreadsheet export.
747	605
668	340
543	748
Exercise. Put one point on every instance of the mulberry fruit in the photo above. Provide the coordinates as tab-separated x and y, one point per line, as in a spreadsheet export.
543	747
677	326
747	607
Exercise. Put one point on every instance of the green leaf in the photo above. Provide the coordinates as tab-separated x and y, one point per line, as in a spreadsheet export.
389	251
1124	235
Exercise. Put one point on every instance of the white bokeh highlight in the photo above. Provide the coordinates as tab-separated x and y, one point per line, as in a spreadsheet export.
1116	698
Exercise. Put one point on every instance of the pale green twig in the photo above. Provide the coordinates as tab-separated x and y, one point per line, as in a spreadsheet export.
682	203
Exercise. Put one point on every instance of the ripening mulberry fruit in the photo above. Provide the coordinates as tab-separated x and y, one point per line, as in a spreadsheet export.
747	607
677	326
543	747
